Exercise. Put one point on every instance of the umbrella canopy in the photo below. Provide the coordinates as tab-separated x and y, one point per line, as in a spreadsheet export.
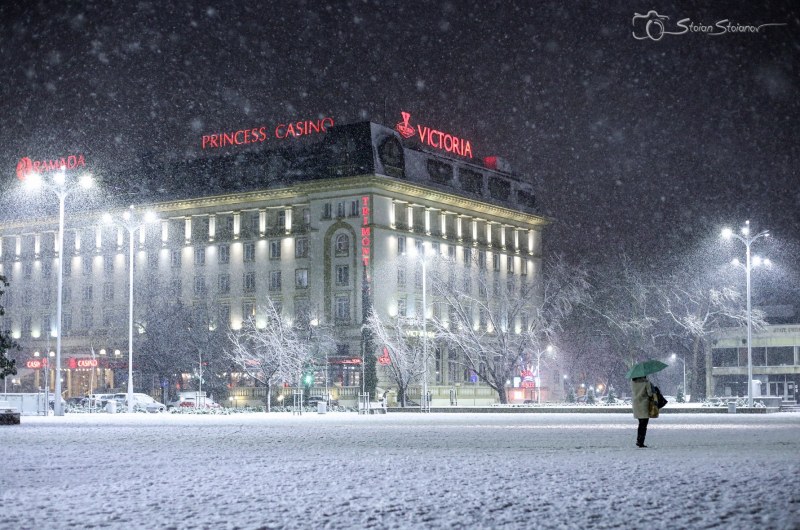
644	369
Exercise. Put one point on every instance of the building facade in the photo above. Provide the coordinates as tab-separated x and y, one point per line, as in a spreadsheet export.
320	243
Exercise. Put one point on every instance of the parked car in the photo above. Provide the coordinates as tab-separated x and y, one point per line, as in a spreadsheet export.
141	402
193	399
96	400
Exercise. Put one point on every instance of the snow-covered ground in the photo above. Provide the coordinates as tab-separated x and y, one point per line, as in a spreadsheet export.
342	470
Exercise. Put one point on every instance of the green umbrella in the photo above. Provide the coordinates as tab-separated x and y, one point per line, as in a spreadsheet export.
646	368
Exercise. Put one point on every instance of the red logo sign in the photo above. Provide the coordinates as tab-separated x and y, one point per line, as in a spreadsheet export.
36	364
260	134
73	363
384	359
26	166
434	138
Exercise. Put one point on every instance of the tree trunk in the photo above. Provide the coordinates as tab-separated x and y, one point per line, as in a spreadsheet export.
501	394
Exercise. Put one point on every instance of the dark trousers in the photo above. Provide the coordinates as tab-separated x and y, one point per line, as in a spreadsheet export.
642	431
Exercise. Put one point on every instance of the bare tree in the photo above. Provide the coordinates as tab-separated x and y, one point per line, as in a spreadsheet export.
400	336
497	335
272	351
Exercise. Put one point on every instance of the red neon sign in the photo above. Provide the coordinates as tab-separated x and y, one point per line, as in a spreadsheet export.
366	231
26	166
81	363
256	135
36	364
384	359
434	138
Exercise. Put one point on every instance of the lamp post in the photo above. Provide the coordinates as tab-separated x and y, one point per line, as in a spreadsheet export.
539	354
683	361
62	188
748	240
131	222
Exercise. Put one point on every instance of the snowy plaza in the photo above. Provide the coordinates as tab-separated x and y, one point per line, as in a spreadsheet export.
344	470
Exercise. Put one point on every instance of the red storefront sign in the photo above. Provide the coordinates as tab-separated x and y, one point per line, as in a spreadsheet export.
434	138
36	364
26	165
259	134
384	359
74	363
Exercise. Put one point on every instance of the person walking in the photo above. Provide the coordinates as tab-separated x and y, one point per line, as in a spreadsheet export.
641	394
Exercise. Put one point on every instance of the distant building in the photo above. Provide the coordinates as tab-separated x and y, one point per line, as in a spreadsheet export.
318	229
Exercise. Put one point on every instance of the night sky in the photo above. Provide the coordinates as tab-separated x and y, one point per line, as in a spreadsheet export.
641	147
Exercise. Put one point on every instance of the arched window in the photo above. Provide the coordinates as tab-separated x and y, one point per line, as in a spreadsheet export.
342	245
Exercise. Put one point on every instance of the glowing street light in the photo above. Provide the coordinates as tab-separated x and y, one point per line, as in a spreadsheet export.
748	240
62	187
683	361
539	354
132	222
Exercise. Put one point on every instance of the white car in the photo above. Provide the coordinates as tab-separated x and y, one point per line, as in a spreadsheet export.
141	402
193	399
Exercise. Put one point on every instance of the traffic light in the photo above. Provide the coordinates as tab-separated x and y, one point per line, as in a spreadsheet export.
308	379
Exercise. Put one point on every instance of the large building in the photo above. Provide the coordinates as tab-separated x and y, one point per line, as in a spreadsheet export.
313	228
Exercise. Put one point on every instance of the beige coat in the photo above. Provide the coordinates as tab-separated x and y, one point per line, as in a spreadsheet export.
641	392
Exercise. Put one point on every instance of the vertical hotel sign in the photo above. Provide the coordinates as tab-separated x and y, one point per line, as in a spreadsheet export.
366	231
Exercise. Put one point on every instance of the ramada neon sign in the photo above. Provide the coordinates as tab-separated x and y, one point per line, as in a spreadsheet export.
256	135
26	166
366	231
434	138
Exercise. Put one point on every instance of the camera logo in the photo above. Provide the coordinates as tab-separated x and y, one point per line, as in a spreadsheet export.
649	26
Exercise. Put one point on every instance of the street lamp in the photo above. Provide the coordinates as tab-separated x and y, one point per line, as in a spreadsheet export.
62	187
423	402
683	361
748	240
131	222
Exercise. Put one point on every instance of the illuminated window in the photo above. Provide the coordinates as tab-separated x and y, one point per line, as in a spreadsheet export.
340	209
199	285
401	277
224	254
108	291
87	293
249	310
523	267
108	264
401	245
175	258
342	245
496	262
509	265
250	252
301	278
200	256
275	280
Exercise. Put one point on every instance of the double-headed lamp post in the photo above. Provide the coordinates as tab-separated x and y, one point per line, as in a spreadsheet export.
131	222
748	240
62	187
683	361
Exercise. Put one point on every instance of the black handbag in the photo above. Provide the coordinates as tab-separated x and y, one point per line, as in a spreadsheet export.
660	399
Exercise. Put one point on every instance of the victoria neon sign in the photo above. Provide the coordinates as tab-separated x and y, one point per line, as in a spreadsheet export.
259	134
434	137
26	166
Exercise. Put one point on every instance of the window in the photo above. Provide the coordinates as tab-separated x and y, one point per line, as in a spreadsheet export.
402	308
482	259
440	172
482	290
306	216
224	283
467	256
301	247
224	254
401	277
353	208
175	287
26	324
437	248
175	258
451	252
249	282
340	209
280	222
46	325
227	224
419	248
326	212
496	262
86	320
471	181
66	322
108	318
523	267
401	245
67	269
343	275
47	268
418	277
250	252
199	285
200	256
248	310
253	222
66	296
418	308
225	314
87	266
275	249
467	284
509	264
152	260
343	308
108	264
87	293
301	278
275	280
108	291
342	245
